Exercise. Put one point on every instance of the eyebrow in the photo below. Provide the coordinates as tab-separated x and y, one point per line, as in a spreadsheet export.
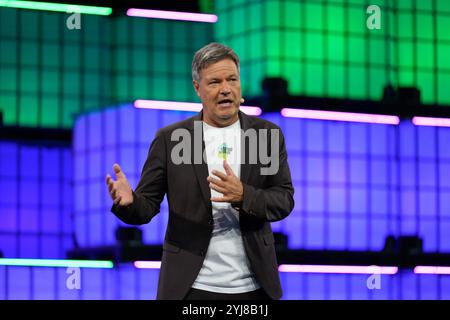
218	79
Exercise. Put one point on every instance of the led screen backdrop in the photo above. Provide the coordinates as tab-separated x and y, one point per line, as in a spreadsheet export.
36	201
128	283
123	135
50	283
49	74
355	183
323	47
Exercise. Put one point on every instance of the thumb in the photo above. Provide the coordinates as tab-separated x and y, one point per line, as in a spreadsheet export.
118	171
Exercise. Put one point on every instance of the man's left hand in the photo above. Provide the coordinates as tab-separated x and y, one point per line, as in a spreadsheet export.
227	184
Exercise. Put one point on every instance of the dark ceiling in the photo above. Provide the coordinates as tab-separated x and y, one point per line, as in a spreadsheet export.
170	5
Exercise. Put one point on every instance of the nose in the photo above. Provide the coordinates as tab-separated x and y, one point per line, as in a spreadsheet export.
225	89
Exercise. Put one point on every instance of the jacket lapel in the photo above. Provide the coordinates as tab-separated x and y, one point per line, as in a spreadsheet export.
245	165
200	167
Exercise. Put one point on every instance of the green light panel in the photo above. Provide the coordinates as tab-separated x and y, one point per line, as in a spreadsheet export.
323	47
58	7
49	74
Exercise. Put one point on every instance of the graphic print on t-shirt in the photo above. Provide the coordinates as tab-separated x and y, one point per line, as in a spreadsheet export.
224	151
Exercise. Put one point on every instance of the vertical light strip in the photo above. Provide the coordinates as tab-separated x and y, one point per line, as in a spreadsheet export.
431	270
340	116
435	122
56	263
58	7
186	106
337	269
172	15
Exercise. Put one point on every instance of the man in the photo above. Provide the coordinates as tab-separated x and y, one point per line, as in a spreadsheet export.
222	194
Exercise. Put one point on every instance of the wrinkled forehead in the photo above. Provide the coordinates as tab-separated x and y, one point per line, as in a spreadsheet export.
220	69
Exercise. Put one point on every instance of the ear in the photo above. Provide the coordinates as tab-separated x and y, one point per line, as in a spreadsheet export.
196	87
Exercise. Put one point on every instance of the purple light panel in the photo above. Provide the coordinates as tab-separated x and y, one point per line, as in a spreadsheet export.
36	203
337	269
147	264
435	122
172	15
186	106
339	116
432	270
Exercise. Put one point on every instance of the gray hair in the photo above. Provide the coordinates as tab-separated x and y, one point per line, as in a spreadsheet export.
210	54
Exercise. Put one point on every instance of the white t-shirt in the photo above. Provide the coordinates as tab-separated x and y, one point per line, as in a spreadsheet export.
226	268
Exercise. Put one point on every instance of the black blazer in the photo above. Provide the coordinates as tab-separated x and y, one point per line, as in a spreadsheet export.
267	198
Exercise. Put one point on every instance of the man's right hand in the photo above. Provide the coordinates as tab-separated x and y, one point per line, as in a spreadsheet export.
119	190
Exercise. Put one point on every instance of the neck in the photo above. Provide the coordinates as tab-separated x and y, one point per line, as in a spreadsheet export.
221	123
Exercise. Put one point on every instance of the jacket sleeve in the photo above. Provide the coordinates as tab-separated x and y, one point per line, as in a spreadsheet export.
151	188
277	200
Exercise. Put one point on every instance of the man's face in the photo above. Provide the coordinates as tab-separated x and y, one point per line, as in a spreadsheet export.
219	89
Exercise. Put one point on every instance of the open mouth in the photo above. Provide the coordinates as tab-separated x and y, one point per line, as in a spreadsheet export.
225	103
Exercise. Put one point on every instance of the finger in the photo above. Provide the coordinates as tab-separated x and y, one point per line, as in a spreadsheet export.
118	171
220	199
113	193
117	200
218	182
110	186
109	183
217	188
227	168
219	174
